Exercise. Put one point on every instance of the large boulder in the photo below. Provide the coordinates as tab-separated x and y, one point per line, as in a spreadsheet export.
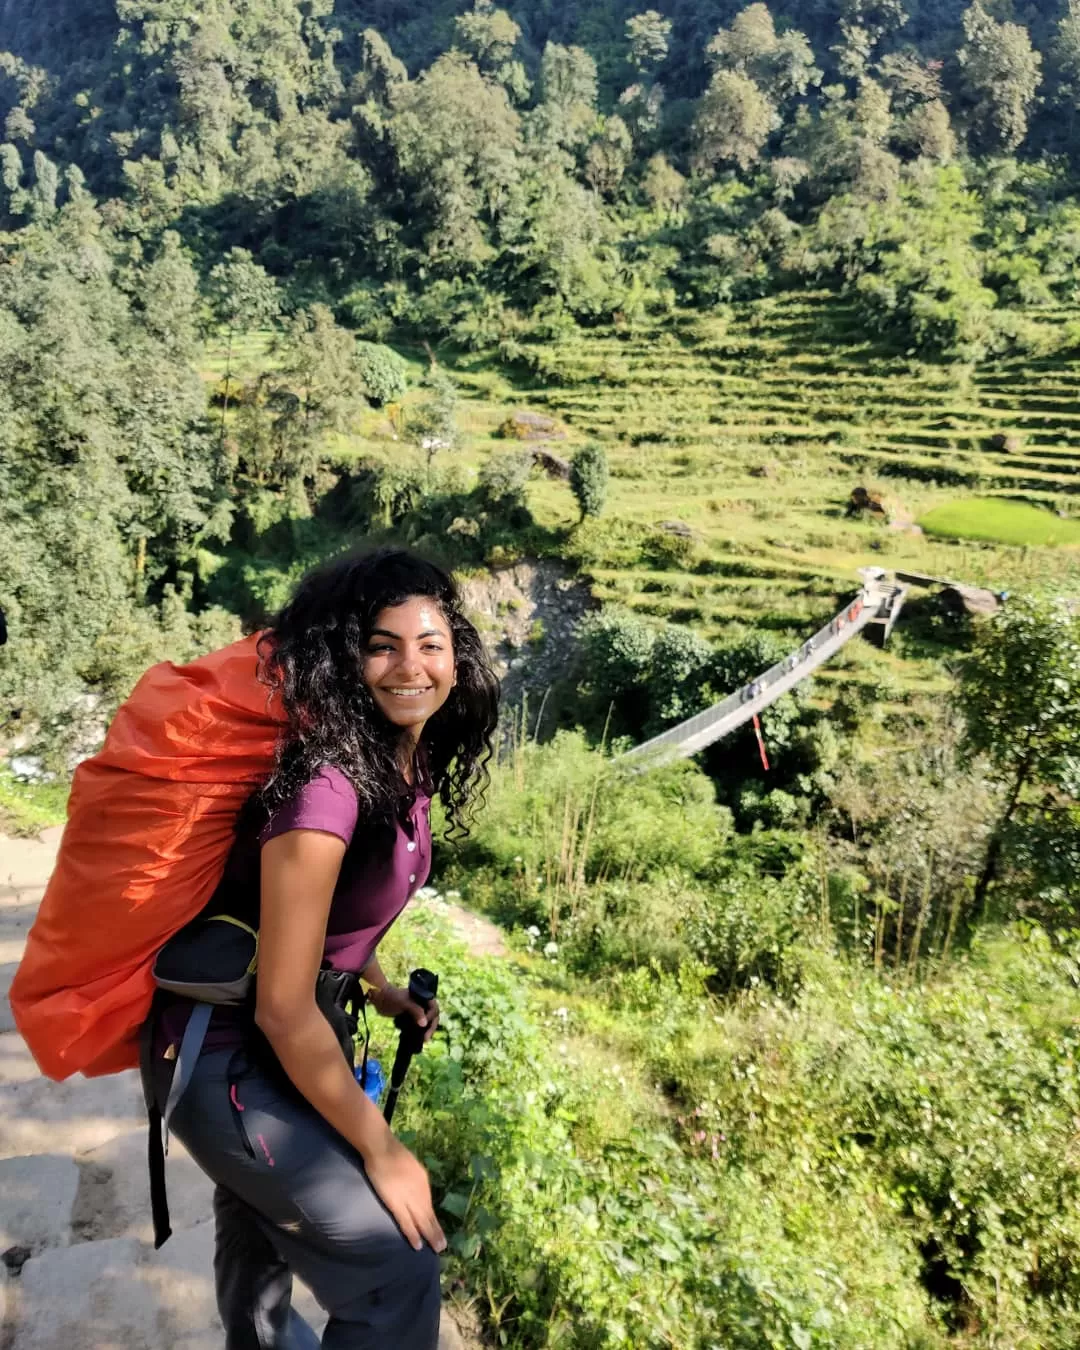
552	464
863	500
525	425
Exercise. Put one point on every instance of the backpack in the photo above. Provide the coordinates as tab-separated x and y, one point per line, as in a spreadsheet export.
151	820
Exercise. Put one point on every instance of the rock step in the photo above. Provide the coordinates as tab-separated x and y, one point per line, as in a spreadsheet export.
40	1116
80	1271
119	1294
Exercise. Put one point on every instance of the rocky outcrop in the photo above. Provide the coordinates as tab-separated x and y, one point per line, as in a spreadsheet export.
525	425
527	614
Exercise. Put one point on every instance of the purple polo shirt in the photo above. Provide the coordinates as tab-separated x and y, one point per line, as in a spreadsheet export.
380	872
376	882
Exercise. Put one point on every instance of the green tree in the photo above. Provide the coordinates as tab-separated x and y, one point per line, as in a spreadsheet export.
1065	62
169	299
504	478
457	139
490	35
433	423
242	294
649	35
678	682
108	478
13	195
733	121
607	157
926	131
320	368
567	109
589	479
46	187
663	184
1001	73
781	65
1019	693
383	373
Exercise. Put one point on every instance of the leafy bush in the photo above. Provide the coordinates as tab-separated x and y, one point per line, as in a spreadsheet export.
503	478
383	373
560	818
955	1101
589	479
578	1220
746	927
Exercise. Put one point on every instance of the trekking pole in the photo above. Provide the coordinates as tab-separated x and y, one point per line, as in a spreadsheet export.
423	986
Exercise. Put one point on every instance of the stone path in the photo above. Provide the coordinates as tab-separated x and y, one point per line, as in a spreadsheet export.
78	1267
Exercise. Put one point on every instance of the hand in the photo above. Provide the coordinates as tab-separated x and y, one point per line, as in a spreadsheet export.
401	1183
392	999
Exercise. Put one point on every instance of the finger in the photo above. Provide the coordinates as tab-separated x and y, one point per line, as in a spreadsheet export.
409	1230
418	1014
433	1232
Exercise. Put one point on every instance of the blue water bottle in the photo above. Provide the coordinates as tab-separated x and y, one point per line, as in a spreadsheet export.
374	1082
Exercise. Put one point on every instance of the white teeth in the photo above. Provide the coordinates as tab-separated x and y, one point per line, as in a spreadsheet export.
407	693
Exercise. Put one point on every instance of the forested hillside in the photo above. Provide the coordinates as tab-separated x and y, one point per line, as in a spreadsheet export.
492	180
788	1055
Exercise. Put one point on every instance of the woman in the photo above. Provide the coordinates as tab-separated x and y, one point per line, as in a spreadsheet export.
390	699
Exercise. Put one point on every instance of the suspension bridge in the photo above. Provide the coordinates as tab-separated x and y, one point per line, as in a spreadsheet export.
875	608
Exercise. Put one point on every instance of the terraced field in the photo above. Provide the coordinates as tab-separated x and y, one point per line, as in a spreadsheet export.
753	429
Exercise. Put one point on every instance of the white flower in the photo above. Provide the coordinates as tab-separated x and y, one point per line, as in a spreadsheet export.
453	895
551	949
518	858
564	1013
532	930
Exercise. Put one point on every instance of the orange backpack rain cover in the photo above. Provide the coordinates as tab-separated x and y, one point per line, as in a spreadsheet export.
151	819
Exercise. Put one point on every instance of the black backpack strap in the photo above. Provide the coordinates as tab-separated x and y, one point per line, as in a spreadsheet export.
173	1088
155	1154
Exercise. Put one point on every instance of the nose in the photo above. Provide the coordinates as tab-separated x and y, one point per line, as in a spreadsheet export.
409	665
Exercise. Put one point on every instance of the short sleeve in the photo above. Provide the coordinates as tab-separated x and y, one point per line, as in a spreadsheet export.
327	803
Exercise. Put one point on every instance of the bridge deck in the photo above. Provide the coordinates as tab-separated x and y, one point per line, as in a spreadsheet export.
878	602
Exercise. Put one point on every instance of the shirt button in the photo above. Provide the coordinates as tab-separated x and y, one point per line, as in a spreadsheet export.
412	877
411	846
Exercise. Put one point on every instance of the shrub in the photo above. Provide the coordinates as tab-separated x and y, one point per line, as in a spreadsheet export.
575	1215
746	928
589	479
561	817
382	372
503	478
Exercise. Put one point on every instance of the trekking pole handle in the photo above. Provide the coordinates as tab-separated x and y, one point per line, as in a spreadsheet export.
423	986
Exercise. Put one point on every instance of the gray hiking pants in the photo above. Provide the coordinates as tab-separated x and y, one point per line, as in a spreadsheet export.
299	1201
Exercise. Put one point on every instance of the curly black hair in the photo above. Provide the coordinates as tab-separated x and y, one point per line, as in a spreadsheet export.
311	656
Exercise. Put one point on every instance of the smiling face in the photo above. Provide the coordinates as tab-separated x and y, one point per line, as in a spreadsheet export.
409	663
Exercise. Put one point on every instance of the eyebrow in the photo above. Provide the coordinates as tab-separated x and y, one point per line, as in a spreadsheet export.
385	632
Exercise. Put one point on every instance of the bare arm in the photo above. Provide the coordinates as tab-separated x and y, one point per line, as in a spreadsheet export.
299	872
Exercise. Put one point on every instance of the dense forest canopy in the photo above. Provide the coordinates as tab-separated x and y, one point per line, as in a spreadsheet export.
578	160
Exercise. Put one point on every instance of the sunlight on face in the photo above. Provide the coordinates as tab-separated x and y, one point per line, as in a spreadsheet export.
409	663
